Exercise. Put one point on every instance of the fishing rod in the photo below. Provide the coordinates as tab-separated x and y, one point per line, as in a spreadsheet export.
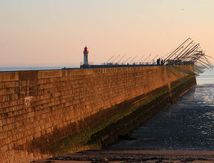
207	60
198	69
110	59
147	58
116	58
121	58
187	51
177	49
141	59
190	50
155	57
204	65
183	50
198	59
126	61
210	56
133	59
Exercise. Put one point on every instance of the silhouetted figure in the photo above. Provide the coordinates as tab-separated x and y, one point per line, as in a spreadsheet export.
158	61
162	62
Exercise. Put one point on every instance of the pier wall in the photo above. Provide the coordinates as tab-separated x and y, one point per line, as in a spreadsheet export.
43	106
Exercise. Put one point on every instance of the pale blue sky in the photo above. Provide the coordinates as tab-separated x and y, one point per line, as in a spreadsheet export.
54	32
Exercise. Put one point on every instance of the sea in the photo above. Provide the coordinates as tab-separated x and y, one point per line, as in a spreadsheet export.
26	68
19	68
188	124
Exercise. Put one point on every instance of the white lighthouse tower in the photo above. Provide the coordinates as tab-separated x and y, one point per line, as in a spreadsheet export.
85	56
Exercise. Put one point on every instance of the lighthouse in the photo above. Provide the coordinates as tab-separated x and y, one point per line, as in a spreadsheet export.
85	56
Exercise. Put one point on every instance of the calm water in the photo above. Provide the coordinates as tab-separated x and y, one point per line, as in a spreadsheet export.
188	124
34	68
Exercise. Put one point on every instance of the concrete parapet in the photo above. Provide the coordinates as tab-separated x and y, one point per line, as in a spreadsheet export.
43	107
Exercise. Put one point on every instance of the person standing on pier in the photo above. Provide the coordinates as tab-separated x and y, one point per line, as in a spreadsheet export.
158	61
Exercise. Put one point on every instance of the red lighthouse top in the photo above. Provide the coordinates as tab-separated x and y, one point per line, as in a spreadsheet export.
85	50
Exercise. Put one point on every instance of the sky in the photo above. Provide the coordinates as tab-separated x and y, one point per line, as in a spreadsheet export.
54	32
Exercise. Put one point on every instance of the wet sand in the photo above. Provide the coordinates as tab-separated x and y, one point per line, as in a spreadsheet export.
185	125
151	156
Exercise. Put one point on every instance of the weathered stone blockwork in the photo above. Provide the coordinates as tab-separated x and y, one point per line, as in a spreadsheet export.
35	103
